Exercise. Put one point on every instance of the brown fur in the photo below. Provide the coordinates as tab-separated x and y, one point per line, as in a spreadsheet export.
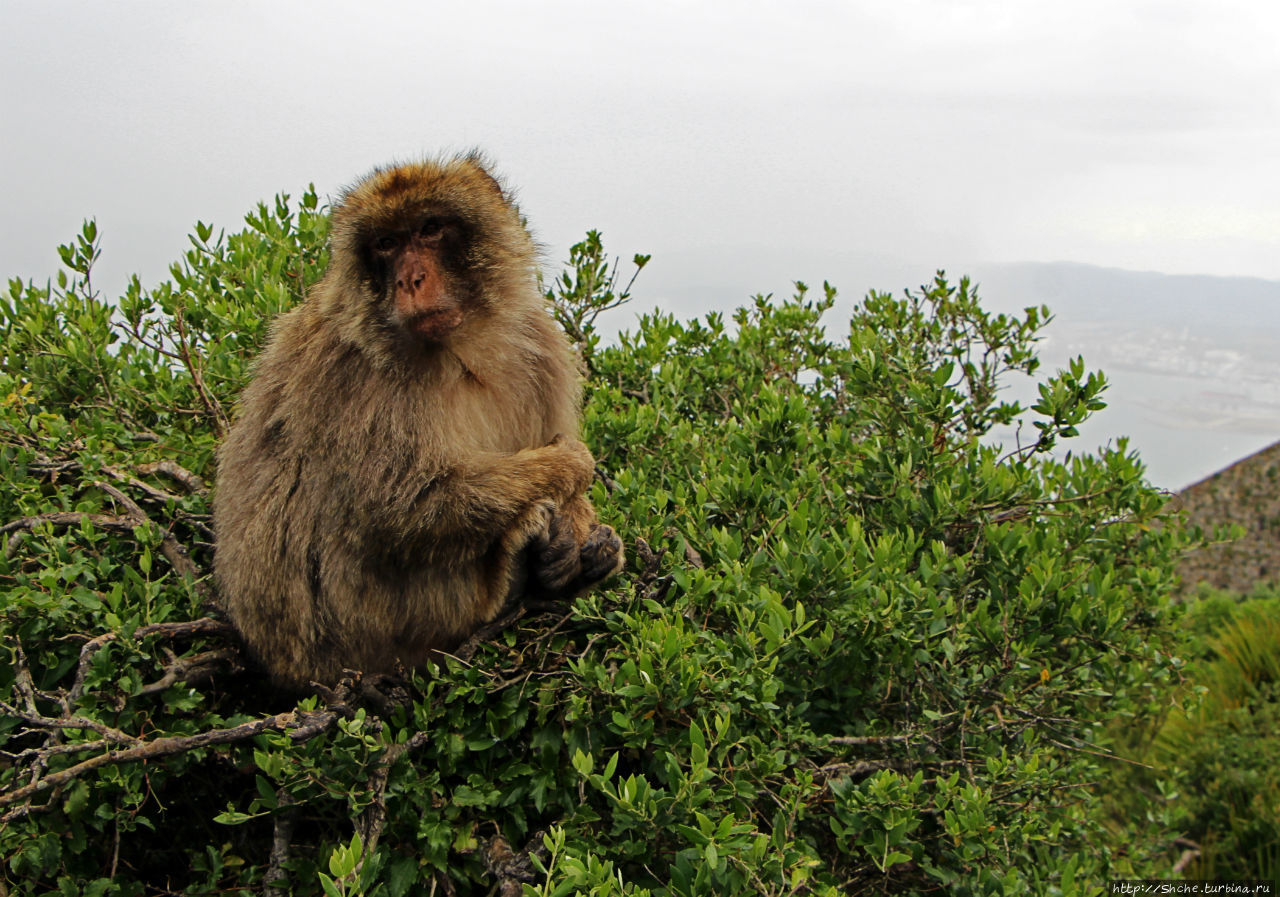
382	493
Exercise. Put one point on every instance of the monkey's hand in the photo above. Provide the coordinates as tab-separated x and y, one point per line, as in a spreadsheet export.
576	458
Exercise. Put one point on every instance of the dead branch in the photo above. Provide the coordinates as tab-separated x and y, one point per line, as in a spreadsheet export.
856	770
58	520
297	724
176	472
859	740
275	878
180	629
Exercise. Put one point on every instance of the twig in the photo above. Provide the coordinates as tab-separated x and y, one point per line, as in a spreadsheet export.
170	547
1188	856
157	495
176	472
23	685
467	649
194	670
856	740
61	519
297	724
192	363
114	736
374	818
181	629
275	879
859	769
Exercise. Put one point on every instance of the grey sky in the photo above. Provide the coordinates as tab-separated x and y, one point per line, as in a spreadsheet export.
909	135
1132	134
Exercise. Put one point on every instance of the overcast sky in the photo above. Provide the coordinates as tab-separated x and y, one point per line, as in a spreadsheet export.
1131	134
741	143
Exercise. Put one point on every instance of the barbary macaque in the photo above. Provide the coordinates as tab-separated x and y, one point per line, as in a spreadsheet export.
405	458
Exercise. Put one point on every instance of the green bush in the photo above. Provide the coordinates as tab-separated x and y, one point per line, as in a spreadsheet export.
856	649
1219	745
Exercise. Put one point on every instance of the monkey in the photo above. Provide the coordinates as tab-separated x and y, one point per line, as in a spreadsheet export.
405	458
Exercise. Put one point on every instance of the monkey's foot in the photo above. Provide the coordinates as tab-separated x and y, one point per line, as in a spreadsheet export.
600	556
561	568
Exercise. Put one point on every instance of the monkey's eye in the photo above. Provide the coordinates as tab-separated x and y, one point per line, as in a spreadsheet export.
432	228
386	243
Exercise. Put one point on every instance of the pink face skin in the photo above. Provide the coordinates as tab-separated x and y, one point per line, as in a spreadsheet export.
423	303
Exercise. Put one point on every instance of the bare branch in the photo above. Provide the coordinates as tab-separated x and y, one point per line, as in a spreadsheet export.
181	629
857	740
170	547
158	495
275	879
114	736
374	818
176	472
194	670
297	724
61	519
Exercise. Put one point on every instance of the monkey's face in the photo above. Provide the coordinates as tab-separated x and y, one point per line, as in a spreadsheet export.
426	253
416	273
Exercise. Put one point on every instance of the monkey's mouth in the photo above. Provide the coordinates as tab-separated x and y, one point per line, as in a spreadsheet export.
434	325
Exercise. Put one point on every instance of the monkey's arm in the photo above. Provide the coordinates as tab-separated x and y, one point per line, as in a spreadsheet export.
469	504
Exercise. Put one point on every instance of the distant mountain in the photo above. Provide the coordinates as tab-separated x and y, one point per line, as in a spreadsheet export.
1233	305
723	277
1194	361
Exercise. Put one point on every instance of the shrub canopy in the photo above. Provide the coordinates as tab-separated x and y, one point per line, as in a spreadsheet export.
857	647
